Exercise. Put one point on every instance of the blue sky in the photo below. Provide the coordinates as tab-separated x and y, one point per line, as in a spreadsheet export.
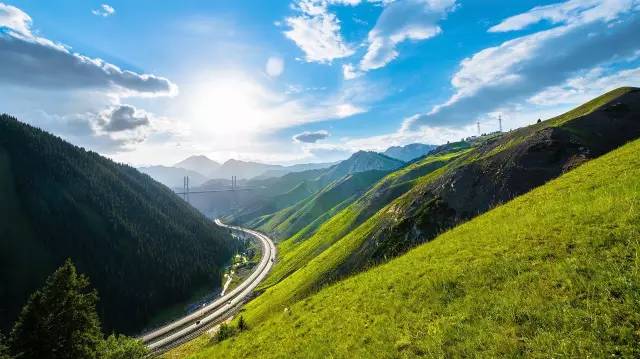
152	82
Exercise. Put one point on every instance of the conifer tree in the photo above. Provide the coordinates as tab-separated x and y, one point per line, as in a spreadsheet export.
4	350
59	320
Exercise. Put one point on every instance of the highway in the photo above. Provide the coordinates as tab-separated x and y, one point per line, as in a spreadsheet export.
192	325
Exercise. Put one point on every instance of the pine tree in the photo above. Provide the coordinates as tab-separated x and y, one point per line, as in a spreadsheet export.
242	324
59	320
4	350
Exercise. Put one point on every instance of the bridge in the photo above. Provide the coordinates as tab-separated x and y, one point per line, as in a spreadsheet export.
186	190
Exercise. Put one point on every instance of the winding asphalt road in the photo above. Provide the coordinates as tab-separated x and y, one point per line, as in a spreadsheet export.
192	325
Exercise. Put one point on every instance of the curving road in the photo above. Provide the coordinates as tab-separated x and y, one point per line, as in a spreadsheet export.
190	326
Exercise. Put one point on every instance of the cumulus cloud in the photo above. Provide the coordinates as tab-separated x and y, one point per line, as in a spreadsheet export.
520	68
104	10
31	61
586	86
311	137
572	11
316	31
401	21
122	118
15	19
274	66
350	72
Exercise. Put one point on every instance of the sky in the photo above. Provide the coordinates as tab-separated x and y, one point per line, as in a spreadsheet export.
297	81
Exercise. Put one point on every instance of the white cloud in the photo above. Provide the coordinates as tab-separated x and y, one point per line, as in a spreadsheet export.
28	60
569	12
401	21
274	66
349	72
520	68
15	19
316	31
586	86
104	10
310	137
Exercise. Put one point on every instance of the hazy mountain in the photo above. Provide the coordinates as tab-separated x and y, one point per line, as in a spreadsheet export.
294	187
172	177
143	248
200	164
295	168
243	169
409	152
362	161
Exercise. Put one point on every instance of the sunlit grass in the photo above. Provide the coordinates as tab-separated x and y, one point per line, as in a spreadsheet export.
552	273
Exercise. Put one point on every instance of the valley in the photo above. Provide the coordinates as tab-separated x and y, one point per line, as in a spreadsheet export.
319	179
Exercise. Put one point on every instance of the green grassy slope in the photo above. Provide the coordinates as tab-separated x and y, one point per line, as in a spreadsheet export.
323	204
555	272
141	245
309	242
473	182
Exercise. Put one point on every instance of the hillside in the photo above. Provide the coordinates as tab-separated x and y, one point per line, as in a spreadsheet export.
306	244
473	180
552	273
309	213
494	171
409	152
275	194
142	247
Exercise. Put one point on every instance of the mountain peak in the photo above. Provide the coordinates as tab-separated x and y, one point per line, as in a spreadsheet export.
199	163
409	152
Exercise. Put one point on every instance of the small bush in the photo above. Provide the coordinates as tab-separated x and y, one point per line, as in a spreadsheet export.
242	324
123	347
224	332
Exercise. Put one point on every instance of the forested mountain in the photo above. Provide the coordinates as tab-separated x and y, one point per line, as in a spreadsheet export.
409	152
142	247
453	184
549	274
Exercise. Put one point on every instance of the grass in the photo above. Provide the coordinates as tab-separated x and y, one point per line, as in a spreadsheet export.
300	249
325	203
553	273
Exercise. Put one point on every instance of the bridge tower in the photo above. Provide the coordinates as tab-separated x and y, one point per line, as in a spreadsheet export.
185	188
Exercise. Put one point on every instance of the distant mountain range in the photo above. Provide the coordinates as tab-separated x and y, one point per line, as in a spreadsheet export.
201	169
409	152
172	177
275	193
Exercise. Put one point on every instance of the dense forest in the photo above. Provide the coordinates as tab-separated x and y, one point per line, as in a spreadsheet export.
141	246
